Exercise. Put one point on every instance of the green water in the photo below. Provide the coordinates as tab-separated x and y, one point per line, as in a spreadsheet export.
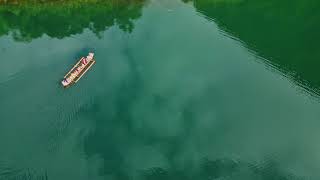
193	90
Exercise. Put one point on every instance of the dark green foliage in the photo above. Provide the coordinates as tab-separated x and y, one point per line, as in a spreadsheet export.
29	20
287	37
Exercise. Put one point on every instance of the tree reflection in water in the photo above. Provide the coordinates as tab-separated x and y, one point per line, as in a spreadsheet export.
285	33
28	20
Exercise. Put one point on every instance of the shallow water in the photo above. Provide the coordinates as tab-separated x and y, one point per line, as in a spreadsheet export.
181	90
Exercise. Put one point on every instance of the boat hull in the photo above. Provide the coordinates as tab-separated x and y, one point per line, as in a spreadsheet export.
80	75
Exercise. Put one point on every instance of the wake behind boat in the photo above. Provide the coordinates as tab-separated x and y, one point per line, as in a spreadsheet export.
78	70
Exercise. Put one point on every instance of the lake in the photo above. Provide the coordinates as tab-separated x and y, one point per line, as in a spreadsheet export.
181	90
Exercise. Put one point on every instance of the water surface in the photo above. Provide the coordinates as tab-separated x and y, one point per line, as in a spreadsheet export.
201	89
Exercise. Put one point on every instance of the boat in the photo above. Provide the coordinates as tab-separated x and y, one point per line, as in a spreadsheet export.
78	70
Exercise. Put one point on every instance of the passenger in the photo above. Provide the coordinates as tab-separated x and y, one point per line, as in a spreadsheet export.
65	82
84	61
90	56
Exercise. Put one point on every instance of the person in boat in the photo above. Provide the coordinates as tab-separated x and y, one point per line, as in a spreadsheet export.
84	61
77	71
89	58
65	81
73	75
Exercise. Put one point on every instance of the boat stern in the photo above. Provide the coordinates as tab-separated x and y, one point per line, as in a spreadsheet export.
64	83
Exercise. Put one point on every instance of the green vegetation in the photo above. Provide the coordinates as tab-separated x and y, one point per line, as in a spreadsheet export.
31	19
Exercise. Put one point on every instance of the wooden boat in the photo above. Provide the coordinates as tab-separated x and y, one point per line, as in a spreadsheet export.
78	70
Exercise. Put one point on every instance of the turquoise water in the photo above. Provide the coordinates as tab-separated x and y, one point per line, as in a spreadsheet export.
181	90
